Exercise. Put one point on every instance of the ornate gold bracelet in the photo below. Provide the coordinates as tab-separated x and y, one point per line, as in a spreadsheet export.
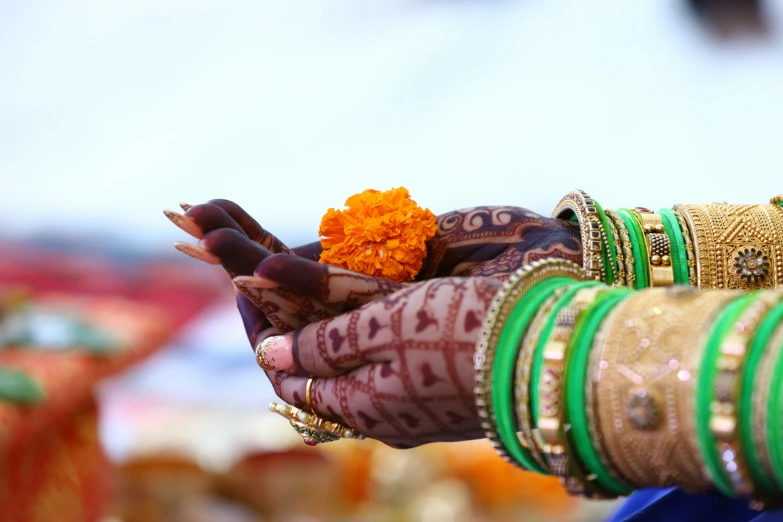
650	352
578	203
659	259
737	246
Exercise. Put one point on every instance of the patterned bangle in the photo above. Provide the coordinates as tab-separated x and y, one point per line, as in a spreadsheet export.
583	435
737	246
503	303
690	253
636	240
755	392
522	375
578	205
677	243
659	261
503	369
609	251
625	247
619	265
723	421
649	354
550	404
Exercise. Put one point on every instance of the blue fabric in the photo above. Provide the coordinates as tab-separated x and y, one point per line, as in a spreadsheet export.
674	505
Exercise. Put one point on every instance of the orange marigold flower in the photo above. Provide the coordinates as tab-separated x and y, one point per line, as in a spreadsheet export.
382	234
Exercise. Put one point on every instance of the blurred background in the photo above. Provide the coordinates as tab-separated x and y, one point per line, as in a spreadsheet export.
110	112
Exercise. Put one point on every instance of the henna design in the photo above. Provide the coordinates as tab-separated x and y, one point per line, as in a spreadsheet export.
469	240
391	380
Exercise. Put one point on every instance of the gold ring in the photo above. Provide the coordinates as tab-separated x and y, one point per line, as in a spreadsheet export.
309	394
312	428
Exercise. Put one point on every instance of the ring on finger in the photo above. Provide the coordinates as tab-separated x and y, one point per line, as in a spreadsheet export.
309	394
313	428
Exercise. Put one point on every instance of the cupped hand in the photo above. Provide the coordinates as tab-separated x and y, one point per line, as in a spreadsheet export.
228	236
398	369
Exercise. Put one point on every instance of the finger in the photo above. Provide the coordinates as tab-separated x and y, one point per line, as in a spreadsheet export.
250	226
257	325
202	219
236	252
311	251
197	253
336	287
325	349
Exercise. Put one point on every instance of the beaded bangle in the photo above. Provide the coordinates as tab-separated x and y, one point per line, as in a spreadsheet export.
522	375
690	253
635	237
503	369
609	252
754	400
659	261
512	291
625	242
722	464
580	206
579	393
620	279
724	421
677	242
550	403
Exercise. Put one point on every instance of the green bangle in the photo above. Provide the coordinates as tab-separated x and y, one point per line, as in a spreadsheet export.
503	368
774	421
546	333
756	352
705	387
575	378
611	262
637	246
677	242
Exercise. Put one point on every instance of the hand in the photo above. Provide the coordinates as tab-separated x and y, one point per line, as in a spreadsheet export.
399	369
479	241
496	241
230	237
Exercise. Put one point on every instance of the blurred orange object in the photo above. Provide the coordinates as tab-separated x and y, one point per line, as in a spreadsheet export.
60	474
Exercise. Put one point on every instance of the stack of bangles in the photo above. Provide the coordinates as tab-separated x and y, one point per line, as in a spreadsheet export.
710	246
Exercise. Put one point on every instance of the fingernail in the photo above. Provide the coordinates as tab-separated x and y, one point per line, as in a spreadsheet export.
185	206
254	282
197	253
275	353
185	223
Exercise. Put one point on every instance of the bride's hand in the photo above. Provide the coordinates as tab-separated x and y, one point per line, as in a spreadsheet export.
399	369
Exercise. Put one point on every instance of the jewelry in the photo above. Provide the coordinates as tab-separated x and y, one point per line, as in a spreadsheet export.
690	254
579	204
650	355
659	261
312	428
550	405
619	279
522	377
625	241
502	304
737	246
309	394
723	421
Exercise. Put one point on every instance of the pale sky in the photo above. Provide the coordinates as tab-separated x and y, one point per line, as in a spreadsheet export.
110	111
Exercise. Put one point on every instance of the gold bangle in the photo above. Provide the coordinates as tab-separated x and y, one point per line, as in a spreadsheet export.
762	388
522	378
578	203
723	410
737	246
513	289
620	277
659	261
690	254
651	347
625	242
550	429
